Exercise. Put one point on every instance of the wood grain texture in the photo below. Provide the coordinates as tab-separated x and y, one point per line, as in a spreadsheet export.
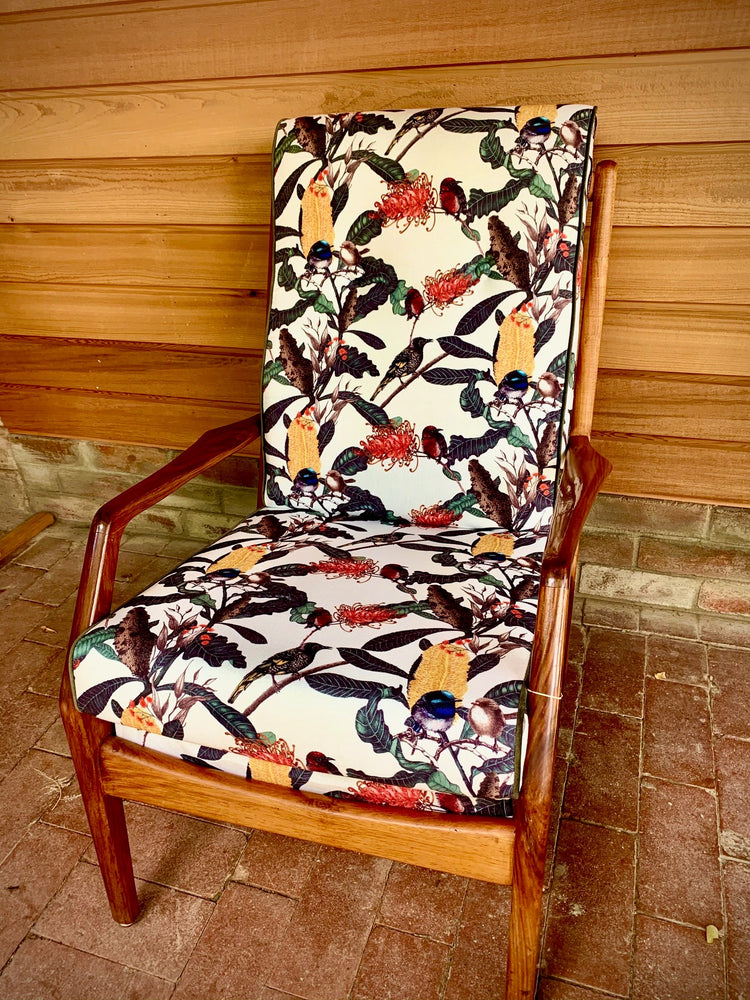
111	417
704	471
470	846
679	406
93	45
164	316
230	257
156	370
676	337
201	190
646	264
640	101
236	190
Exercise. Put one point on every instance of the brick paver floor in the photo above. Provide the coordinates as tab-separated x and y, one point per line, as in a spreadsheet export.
650	846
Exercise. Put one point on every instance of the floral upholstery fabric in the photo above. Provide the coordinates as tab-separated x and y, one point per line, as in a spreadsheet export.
367	633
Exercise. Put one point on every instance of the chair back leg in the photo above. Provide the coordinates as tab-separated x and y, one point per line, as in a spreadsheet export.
105	814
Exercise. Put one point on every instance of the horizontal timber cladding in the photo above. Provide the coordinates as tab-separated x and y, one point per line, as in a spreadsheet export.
127	42
642	262
135	190
236	190
641	99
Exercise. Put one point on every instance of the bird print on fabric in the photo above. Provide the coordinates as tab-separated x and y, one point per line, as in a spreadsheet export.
416	122
290	661
405	363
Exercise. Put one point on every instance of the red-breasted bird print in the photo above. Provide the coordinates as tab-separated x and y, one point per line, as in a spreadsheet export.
452	197
433	443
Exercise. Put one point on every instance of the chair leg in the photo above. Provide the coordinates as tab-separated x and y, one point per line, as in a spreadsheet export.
526	909
105	814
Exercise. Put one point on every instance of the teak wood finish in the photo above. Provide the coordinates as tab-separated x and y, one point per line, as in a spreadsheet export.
496	850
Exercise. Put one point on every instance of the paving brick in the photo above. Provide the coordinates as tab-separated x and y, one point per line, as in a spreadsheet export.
26	886
479	955
730	525
247	924
693	559
276	863
58	583
23	719
666	621
400	966
636	514
15	579
589	857
159	942
51	626
737	889
610	614
725	597
424	902
330	926
673	962
46	550
680	660
32	787
179	851
603	774
638	586
19	618
42	968
25	667
730	631
733	786
730	673
613	672
606	548
677	733
679	821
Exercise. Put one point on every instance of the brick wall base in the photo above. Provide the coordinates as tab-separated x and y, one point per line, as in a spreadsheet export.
676	568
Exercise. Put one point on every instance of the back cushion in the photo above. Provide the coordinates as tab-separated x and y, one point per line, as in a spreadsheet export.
423	313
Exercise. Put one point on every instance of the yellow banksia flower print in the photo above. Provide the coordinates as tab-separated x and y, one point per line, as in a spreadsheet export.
317	218
515	345
243	558
303	445
498	542
444	667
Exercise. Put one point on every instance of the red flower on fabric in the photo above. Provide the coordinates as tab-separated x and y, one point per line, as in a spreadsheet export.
391	795
351	616
412	200
434	516
446	287
357	569
395	444
278	752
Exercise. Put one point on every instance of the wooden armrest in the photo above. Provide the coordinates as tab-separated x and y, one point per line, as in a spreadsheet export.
102	549
583	473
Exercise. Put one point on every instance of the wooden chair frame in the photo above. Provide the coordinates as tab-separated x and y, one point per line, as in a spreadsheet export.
505	851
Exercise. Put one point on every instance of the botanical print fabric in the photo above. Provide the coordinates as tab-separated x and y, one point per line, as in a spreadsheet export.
366	635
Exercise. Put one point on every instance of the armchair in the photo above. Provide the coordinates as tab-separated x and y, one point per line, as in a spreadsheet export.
380	647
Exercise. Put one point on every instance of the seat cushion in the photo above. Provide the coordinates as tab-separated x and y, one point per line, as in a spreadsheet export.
353	658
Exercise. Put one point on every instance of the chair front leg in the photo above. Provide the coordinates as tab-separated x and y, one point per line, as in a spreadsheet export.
105	814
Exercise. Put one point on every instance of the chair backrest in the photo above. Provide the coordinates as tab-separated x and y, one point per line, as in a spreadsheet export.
424	312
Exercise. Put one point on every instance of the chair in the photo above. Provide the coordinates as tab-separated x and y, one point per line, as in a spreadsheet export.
380	648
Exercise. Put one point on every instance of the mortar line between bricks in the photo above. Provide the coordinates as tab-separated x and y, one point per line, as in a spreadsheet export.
595	992
683	784
453	945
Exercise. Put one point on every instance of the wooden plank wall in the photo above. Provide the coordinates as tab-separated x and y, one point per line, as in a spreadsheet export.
135	183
